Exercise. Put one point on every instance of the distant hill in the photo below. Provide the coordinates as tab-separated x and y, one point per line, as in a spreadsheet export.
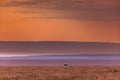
59	47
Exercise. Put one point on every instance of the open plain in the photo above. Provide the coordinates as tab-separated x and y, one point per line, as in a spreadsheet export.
59	73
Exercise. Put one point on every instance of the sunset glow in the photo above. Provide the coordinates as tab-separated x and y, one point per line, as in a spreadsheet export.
51	20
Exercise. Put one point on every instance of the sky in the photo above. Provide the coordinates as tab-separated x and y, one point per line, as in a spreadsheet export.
60	20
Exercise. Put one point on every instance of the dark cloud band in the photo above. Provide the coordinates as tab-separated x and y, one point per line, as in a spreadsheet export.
77	9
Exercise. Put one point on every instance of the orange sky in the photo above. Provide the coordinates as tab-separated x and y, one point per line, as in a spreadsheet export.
25	21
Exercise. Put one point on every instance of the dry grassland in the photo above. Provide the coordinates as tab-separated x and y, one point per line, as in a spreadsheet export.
60	73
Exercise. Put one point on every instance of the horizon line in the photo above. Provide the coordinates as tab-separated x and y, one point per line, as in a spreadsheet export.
29	55
62	41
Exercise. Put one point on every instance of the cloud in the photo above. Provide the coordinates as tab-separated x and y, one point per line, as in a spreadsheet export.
71	9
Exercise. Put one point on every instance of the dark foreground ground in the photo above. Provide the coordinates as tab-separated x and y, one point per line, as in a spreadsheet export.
60	73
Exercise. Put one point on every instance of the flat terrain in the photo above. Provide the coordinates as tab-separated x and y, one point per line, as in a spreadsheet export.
60	73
